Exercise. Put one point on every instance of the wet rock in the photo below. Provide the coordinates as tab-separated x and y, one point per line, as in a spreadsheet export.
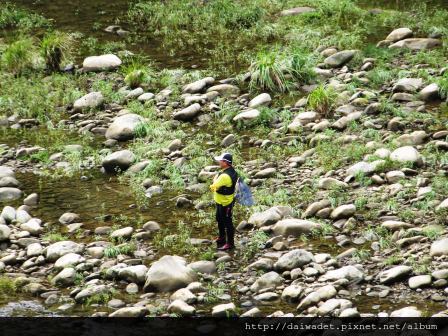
293	259
32	226
69	218
101	63
292	294
419	281
399	34
187	113
130	312
267	280
340	58
439	248
66	277
90	100
313	208
120	160
169	273
8	214
417	43
124	127
224	310
260	100
180	307
57	250
406	312
34	250
294	227
394	274
89	291
9	194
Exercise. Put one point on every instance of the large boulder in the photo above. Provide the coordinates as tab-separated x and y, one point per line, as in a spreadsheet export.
294	227
417	43
101	63
66	277
57	250
340	58
293	259
9	194
90	100
136	273
123	127
394	274
269	216
169	273
120	160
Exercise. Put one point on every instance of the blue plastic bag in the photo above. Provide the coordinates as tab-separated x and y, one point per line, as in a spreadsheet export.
243	194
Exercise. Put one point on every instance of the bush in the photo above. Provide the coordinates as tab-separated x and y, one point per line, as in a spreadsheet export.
267	73
322	100
136	73
56	47
19	56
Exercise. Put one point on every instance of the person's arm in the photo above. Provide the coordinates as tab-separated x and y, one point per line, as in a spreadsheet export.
222	180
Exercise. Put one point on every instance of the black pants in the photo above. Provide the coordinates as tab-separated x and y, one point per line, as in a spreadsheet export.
225	224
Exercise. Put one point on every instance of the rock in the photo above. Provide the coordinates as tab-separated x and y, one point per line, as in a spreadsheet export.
294	227
406	312
419	281
22	216
225	89
329	183
57	250
123	127
349	272
187	113
120	160
6	172
181	308
247	115
399	34
224	310
8	181
199	85
396	225
343	211
134	93
293	259
31	199
5	232
413	139
292	293
296	11
349	312
183	294
90	100
266	173
203	266
146	97
9	194
130	312
429	92
260	100
254	312
313	208
91	290
8	214
267	280
135	274
408	85
395	176
101	63
403	97
69	218
406	154
394	274
362	167
125	232
266	297
34	250
69	259
32	226
64	278
270	216
417	43
340	58
169	273
439	248
228	140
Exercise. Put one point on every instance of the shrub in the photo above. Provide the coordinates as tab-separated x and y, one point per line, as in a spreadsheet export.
267	73
56	47
322	100
19	56
136	73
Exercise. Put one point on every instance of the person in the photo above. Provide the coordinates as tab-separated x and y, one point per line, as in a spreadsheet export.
223	189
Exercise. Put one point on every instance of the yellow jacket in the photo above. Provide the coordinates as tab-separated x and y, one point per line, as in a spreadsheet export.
220	181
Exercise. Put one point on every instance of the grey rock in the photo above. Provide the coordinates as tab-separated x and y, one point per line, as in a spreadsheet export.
120	160
101	63
90	100
124	127
340	58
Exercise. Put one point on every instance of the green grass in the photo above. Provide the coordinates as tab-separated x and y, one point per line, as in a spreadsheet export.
12	17
19	56
8	287
136	73
323	100
113	251
54	237
254	245
268	73
100	298
56	48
